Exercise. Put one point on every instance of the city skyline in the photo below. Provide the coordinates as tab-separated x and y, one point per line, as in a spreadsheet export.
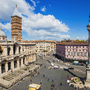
47	20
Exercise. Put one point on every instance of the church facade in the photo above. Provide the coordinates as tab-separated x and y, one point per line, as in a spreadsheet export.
15	54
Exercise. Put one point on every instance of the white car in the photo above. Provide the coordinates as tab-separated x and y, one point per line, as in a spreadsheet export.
52	64
57	67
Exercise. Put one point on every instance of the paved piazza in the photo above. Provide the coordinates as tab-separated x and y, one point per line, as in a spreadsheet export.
58	76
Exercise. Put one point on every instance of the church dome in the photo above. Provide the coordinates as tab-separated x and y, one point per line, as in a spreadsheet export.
2	33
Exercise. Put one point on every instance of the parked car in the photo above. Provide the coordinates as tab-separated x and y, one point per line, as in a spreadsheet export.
52	64
56	67
71	68
53	60
81	64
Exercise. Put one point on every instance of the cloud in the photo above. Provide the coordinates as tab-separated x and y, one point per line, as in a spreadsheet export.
81	38
9	7
78	37
43	9
49	5
34	3
38	26
6	26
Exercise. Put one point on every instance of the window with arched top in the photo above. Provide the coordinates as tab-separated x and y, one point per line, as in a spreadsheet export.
8	51
14	48
1	49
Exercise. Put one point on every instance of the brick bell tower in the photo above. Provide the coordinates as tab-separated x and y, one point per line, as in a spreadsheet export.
16	26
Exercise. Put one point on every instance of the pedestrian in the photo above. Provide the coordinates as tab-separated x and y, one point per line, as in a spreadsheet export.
52	80
41	82
43	75
60	84
51	88
48	79
18	84
23	79
30	80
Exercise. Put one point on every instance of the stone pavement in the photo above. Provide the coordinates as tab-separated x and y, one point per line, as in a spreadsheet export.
57	76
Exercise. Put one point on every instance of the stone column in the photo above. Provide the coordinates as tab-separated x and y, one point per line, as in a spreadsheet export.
34	57
25	61
0	69
88	68
5	50
18	63
6	67
12	64
11	50
21	62
21	50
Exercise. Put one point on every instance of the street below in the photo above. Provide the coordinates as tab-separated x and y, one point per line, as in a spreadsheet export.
47	77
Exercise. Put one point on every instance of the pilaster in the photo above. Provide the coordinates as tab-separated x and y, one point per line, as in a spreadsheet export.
0	68
25	61
11	51
18	63
21	62
12	64
6	66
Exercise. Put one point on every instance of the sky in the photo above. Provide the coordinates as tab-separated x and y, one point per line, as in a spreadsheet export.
47	19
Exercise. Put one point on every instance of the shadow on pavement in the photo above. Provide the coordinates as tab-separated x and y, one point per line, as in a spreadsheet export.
76	74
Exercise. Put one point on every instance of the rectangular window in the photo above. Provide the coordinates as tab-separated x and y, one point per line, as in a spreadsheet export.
77	54
81	54
71	53
68	53
74	53
84	54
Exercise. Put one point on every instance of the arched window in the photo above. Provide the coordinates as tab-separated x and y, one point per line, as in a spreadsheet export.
8	50
14	48
1	49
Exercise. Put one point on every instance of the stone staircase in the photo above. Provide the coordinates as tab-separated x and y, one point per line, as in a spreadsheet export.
11	78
